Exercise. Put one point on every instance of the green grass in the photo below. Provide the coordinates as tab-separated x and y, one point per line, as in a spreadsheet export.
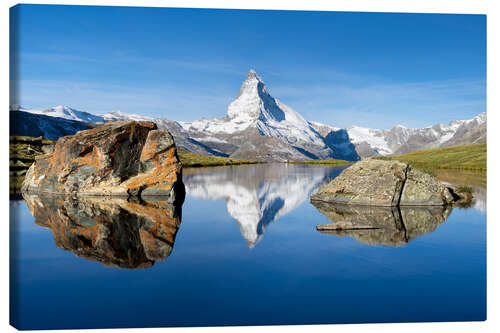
22	153
465	189
331	162
462	177
192	160
469	157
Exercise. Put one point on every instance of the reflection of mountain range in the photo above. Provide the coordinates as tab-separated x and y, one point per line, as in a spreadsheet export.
113	231
257	195
391	226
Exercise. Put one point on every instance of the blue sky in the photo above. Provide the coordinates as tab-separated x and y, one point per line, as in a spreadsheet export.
342	69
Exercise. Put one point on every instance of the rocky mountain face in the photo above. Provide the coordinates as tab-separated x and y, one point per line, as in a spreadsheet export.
401	140
258	126
338	140
468	132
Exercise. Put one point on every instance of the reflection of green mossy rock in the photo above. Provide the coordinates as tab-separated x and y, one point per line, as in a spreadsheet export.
374	182
392	226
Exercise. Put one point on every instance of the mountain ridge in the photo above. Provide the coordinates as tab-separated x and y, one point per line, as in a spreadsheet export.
258	126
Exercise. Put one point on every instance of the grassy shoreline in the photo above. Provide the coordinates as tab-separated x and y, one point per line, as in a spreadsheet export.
193	160
331	162
22	153
468	157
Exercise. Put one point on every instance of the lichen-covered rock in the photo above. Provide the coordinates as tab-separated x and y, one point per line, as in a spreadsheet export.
369	182
423	189
373	182
119	158
114	231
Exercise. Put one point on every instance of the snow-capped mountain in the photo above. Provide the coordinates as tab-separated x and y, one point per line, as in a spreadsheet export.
258	126
400	139
120	116
32	124
259	195
66	112
255	107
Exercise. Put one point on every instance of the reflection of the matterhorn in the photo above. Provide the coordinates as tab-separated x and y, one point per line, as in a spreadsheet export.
393	226
113	231
256	195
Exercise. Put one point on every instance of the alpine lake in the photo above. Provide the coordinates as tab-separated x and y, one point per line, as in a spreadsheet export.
243	250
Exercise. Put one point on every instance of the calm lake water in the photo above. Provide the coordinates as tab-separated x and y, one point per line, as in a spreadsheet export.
243	250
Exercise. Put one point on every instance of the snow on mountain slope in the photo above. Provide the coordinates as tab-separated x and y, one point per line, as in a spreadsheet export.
120	116
323	129
375	138
258	126
66	112
33	124
400	139
477	120
254	107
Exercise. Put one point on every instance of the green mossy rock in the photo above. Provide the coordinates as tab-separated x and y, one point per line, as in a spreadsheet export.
373	182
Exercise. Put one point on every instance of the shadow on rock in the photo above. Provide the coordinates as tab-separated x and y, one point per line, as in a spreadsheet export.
392	226
113	231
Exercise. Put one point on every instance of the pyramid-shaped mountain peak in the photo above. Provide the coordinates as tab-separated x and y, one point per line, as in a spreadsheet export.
252	98
252	75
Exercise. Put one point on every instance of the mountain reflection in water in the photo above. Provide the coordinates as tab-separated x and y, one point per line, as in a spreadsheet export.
113	231
256	195
391	226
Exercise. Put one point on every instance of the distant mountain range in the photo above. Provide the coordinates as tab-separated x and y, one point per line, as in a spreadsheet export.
32	124
258	126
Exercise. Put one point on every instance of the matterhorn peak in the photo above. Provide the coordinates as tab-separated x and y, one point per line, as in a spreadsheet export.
252	98
253	85
252	75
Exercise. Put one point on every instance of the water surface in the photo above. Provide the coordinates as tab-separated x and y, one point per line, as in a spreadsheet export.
242	250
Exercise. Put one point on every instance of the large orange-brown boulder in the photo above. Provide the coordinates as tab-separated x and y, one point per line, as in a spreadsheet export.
125	158
113	231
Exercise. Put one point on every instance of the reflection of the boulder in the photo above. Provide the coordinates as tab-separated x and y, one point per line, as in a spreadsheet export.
113	231
256	195
393	226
